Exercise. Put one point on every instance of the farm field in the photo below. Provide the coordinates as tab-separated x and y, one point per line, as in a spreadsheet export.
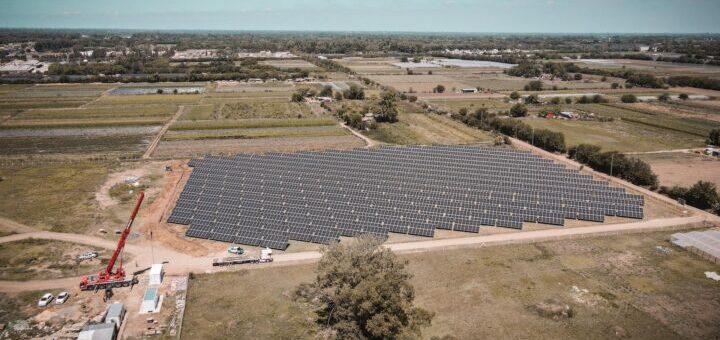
366	66
657	68
420	83
86	124
455	104
683	169
613	285
290	63
421	128
198	148
618	135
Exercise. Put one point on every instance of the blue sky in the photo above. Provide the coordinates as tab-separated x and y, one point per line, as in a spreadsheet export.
544	16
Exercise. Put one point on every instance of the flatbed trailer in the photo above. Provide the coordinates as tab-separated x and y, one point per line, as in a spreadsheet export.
265	256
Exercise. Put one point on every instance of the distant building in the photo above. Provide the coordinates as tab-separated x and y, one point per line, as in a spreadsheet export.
322	57
22	66
469	90
567	114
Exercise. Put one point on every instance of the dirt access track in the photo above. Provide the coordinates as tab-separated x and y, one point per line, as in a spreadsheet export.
181	262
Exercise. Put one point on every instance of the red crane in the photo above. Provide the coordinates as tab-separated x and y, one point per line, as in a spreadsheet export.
107	278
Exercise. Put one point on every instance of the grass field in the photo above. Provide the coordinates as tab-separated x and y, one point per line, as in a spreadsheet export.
290	63
618	135
420	128
421	83
148	99
613	285
249	123
305	131
44	259
65	193
455	104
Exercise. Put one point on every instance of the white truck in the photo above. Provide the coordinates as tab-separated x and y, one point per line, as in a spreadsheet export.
265	256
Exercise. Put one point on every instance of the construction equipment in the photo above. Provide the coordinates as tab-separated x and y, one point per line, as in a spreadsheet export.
107	279
265	256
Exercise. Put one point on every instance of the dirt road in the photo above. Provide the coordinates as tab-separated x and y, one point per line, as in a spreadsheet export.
369	142
14	227
179	263
161	133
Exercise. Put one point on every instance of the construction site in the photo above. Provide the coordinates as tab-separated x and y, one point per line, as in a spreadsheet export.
195	208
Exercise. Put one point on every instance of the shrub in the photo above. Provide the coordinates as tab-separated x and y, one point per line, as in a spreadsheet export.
518	110
628	98
713	137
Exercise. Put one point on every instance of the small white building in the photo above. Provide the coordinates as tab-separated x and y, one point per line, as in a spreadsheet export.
156	274
150	300
469	90
322	57
115	314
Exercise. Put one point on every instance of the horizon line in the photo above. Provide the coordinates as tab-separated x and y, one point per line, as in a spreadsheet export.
350	31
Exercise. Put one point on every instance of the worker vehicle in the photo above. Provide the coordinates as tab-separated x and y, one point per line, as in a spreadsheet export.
108	279
62	297
87	255
45	300
236	250
265	256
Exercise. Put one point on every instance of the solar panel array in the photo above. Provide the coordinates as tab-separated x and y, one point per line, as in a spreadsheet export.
267	200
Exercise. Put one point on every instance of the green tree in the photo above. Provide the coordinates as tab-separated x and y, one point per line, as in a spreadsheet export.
578	76
663	97
518	110
702	195
568	100
362	291
628	98
403	59
439	89
713	137
386	108
615	85
683	96
355	92
555	100
514	95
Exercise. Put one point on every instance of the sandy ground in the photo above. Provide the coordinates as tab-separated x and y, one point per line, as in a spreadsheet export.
683	169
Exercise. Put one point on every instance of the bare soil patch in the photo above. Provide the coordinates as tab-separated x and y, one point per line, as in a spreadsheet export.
683	169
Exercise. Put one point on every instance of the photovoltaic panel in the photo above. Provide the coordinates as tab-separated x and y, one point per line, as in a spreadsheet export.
269	199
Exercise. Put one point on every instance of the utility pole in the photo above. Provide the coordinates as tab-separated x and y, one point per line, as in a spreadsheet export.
532	138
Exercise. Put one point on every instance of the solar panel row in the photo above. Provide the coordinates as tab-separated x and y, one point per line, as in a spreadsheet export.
266	200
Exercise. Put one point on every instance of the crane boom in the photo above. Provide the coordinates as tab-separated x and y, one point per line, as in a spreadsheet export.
124	236
107	278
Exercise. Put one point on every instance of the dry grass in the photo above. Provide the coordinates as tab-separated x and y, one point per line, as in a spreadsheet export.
58	197
45	259
420	128
618	135
631	288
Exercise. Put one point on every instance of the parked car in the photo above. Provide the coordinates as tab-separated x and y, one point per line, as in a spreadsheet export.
45	300
236	250
88	255
62	297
